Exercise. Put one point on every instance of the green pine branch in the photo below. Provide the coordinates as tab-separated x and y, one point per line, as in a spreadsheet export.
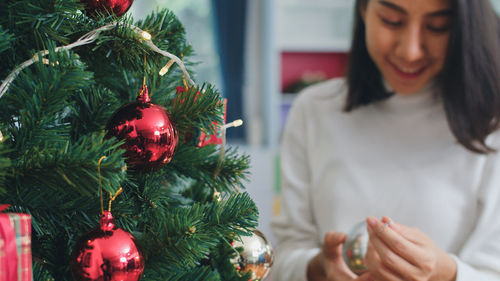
194	274
36	22
37	100
54	116
91	109
168	32
4	167
6	39
224	265
198	107
40	273
183	237
73	166
203	164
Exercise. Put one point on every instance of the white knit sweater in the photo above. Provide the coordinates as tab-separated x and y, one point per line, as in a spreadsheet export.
395	158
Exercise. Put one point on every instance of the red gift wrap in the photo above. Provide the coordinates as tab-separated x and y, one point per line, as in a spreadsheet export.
15	246
214	137
206	138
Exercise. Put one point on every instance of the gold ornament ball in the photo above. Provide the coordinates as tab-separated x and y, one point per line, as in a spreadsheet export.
256	255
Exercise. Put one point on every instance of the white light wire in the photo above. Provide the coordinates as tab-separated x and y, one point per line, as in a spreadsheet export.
87	39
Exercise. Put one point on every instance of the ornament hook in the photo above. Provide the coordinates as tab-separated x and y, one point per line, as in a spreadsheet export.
113	197
100	181
144	78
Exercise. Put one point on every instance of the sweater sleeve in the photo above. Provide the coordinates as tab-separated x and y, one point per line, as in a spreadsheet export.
479	258
294	228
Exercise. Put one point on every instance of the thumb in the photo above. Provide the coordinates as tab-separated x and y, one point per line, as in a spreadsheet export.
332	248
365	277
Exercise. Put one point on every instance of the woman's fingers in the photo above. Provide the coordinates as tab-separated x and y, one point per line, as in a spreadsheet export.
411	234
383	234
332	246
389	264
377	268
334	265
365	277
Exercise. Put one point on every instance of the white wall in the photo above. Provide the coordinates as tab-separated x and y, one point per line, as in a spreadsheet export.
496	5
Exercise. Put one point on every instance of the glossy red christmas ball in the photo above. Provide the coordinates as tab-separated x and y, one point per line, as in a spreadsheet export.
117	7
150	137
107	253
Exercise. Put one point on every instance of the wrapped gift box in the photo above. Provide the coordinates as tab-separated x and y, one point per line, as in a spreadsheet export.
15	246
214	137
206	138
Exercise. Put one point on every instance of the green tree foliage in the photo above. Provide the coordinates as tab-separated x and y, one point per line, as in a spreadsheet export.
53	118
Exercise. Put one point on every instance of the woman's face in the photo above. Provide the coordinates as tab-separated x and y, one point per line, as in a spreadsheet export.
407	40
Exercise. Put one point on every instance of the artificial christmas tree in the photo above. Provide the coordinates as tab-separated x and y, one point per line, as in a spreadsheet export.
64	74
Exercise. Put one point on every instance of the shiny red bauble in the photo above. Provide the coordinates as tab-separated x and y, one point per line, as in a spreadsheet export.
117	7
107	253
150	137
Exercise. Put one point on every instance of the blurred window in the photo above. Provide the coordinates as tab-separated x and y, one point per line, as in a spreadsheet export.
197	18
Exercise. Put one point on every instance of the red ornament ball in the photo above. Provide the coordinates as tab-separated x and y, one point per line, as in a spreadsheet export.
150	137
107	253
117	7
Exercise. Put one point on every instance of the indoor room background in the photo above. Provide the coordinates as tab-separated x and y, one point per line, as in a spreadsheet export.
260	53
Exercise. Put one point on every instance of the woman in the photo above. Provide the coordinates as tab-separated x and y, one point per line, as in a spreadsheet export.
411	134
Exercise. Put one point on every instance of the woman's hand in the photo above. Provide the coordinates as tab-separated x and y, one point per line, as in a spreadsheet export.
329	264
397	252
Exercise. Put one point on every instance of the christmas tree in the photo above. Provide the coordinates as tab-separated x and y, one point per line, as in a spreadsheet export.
58	160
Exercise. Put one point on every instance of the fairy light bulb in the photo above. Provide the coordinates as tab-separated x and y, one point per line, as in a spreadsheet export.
146	36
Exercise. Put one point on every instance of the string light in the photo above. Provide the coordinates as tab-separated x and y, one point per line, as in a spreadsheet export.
87	39
47	62
217	196
235	123
165	69
222	150
146	36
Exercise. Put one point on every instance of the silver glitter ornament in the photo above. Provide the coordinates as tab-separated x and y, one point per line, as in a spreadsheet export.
355	247
257	256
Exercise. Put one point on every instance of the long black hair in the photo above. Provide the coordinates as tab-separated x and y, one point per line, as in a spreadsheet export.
469	81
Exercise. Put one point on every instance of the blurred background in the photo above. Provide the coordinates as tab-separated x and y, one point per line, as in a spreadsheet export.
259	54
